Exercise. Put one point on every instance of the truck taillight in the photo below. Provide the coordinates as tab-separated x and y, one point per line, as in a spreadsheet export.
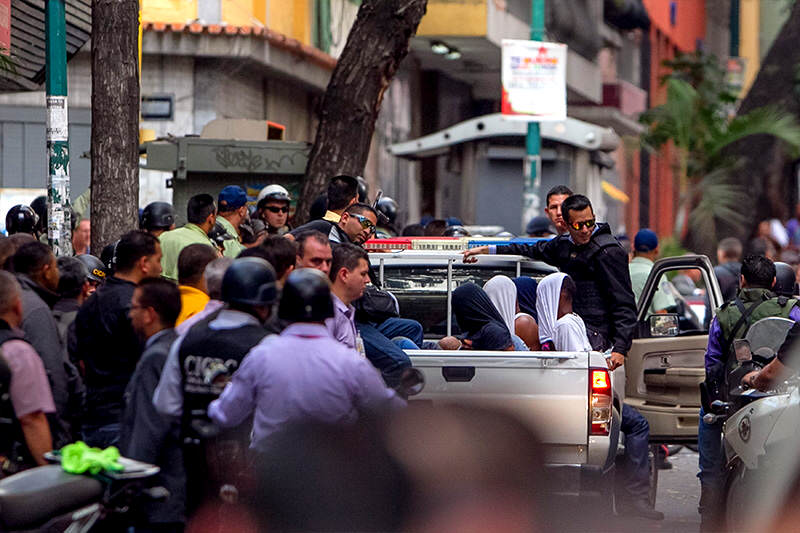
600	401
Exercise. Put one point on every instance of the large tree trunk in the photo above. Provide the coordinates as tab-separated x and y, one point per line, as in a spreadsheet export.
377	43
766	170
115	120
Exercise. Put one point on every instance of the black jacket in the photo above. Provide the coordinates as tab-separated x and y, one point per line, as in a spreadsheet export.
109	349
147	436
599	269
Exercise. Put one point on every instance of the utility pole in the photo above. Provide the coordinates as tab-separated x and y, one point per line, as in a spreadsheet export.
57	136
533	141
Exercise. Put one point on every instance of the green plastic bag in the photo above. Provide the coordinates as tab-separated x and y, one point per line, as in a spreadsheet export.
78	458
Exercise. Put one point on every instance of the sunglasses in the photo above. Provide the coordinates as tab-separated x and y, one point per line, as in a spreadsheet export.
365	222
276	209
577	226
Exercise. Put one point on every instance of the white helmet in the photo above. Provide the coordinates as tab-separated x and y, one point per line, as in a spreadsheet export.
274	192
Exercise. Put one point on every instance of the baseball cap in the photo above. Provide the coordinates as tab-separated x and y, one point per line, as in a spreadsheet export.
539	224
231	197
646	240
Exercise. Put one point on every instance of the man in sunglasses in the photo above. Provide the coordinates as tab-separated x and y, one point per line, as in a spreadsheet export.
356	225
598	264
273	209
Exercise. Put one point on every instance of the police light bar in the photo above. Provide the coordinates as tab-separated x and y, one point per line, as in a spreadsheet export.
417	243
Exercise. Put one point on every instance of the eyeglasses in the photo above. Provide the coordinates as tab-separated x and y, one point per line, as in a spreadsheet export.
365	222
276	209
577	226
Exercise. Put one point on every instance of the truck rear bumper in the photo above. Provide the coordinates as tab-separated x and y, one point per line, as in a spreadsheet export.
669	423
579	480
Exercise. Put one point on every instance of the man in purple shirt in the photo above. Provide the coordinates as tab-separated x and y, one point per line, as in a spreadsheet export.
304	373
349	276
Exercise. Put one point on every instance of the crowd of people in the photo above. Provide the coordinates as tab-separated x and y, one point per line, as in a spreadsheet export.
186	346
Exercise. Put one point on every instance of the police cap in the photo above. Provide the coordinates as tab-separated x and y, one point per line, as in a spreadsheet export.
97	271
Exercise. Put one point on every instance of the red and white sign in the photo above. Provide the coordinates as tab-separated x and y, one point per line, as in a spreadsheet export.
5	27
534	80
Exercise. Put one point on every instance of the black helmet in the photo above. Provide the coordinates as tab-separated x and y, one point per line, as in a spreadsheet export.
455	231
21	219
785	281
97	271
157	215
306	297
251	230
249	281
39	206
363	190
388	207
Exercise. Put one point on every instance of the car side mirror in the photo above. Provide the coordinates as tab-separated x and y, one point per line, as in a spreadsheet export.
663	325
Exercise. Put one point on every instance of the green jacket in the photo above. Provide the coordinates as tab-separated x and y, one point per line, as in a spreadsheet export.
767	305
232	247
172	242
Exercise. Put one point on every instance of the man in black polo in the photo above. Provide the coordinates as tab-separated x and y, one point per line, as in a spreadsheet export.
597	263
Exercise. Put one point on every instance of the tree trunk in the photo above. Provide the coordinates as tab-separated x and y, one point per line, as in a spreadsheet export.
766	171
115	120
377	43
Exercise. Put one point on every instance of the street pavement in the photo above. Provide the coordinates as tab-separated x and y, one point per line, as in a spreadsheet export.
678	494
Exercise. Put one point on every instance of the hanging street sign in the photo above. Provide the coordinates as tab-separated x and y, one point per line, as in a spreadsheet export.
534	80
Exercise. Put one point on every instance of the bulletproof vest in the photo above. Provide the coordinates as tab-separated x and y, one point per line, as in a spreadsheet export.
205	353
729	315
589	302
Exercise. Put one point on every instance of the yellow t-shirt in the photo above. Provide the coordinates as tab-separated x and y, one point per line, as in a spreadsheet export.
192	302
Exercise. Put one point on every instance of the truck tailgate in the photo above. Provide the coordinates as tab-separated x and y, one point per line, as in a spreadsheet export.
549	390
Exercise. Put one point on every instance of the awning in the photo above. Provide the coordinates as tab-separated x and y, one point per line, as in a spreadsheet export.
571	131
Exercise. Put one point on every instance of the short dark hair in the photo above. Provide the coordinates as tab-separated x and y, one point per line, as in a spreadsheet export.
133	246
346	255
435	228
758	271
413	230
9	247
72	274
360	209
199	207
281	253
576	202
163	296
192	263
568	286
303	236
557	190
341	190
31	257
731	248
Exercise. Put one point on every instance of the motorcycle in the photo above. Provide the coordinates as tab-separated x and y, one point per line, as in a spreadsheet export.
46	498
759	429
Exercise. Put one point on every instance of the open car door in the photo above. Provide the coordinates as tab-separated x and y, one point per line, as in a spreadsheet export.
666	362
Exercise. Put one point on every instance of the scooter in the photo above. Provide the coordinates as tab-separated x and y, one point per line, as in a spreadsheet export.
760	430
46	498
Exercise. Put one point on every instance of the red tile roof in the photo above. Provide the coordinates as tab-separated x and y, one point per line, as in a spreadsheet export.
274	38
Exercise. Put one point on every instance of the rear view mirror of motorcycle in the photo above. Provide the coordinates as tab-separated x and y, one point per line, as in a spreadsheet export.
663	325
742	349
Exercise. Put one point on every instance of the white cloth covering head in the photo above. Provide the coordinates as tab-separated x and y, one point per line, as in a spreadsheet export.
548	294
503	294
570	334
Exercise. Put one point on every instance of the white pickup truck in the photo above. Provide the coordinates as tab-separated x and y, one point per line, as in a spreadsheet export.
569	398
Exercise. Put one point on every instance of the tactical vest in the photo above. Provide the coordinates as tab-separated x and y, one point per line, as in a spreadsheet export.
205	351
589	302
729	315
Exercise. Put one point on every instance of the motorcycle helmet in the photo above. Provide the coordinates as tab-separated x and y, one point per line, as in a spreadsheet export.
785	280
249	281
39	205
306	297
388	207
21	219
363	190
455	231
273	192
157	215
97	271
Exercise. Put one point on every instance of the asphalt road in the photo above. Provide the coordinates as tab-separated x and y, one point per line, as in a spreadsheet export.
678	494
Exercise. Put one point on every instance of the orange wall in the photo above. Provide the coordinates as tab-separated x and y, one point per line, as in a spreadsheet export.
690	21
